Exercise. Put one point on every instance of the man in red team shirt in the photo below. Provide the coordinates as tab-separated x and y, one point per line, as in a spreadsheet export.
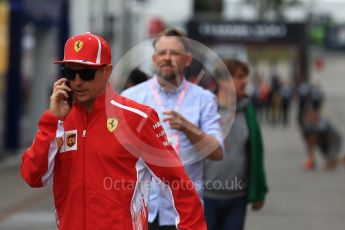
98	149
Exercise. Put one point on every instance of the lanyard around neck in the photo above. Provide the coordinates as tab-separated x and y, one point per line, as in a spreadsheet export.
159	101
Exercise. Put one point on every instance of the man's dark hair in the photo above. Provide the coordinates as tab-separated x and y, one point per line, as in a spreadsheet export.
231	65
137	76
173	32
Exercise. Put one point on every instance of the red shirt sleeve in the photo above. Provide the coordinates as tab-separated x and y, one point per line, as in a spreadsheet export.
35	160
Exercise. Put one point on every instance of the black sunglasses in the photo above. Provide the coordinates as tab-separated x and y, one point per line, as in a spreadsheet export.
84	74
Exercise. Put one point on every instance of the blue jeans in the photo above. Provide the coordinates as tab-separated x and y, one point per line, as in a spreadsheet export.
225	214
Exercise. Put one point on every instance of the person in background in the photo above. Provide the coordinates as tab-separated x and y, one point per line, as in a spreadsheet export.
317	96
303	92
239	178
320	133
286	97
265	90
275	99
189	115
97	149
135	77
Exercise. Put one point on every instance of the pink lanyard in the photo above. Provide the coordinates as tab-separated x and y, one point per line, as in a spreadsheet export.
159	100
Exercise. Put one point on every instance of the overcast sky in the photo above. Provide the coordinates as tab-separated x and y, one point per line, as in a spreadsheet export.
334	7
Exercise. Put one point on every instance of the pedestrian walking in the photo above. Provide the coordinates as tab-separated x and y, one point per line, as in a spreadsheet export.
320	133
239	178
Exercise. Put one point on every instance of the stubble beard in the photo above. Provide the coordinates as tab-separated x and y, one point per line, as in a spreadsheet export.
170	77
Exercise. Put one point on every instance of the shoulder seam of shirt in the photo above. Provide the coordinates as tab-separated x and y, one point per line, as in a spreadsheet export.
134	110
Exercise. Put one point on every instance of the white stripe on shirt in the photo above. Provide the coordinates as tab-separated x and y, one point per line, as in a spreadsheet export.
53	149
137	111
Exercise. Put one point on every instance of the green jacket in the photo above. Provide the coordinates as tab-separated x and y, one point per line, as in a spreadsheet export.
257	177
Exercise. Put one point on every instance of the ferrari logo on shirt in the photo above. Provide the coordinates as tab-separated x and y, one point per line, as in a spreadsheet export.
78	45
112	124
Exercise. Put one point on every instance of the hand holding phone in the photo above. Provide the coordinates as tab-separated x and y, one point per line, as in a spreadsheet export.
61	100
70	95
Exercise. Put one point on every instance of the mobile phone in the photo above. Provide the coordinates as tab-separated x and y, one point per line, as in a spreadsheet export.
70	95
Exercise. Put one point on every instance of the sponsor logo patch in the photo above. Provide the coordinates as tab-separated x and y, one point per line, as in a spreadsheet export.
69	141
157	125
60	143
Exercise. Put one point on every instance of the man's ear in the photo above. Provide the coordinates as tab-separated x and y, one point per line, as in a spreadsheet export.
109	69
153	58
188	59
